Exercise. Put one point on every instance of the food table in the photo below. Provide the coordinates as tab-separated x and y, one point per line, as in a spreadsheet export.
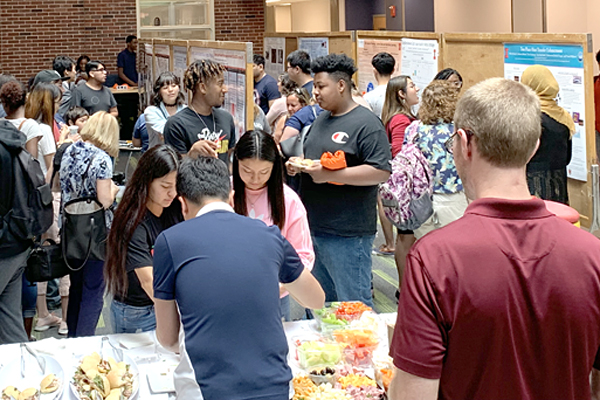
150	358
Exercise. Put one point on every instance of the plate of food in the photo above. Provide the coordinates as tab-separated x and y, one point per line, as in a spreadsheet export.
105	379
36	384
301	163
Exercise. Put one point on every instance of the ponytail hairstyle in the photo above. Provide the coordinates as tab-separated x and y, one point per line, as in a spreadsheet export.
261	146
155	163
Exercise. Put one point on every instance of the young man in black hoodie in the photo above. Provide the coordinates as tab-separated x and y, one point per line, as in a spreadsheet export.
13	252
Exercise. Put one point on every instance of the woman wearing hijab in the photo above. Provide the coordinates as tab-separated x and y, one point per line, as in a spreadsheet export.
547	170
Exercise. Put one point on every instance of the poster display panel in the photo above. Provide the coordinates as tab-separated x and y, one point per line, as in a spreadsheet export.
315	47
566	64
149	81
179	66
420	60
235	79
367	49
275	56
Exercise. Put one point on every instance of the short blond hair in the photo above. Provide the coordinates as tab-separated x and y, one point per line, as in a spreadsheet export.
505	118
102	130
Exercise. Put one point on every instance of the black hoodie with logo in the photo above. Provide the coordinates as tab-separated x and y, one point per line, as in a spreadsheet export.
12	141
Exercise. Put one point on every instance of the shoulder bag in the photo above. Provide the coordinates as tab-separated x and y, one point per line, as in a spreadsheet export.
83	234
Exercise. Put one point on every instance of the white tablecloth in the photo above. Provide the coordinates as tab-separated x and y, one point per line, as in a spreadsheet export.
144	350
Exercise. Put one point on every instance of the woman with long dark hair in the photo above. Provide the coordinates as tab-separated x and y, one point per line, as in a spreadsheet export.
259	193
147	208
167	100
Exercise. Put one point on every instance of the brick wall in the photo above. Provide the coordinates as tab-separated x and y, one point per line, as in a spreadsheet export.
241	21
32	32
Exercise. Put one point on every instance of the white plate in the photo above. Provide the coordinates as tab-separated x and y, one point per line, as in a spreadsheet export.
299	166
10	375
132	368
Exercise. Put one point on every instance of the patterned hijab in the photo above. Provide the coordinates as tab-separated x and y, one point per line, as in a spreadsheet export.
543	83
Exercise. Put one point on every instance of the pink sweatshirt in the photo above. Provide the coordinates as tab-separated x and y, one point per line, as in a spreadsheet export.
295	229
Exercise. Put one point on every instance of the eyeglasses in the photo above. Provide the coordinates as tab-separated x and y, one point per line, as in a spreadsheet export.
100	70
450	142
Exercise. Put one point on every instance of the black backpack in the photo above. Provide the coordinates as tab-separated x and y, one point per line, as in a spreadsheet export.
31	213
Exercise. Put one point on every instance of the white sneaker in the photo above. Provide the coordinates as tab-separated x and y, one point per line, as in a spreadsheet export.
63	329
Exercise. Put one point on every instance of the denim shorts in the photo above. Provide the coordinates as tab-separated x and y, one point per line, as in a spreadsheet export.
130	319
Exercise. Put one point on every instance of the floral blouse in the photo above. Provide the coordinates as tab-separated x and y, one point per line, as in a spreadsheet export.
431	140
73	166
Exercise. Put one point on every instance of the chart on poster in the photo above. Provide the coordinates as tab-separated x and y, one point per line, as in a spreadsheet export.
315	47
367	49
420	60
566	64
275	56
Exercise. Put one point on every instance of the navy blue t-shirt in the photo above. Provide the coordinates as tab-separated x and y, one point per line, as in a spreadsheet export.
126	60
304	117
264	90
223	270
309	87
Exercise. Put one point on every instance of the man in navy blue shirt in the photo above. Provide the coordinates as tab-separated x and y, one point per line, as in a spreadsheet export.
126	64
265	86
221	272
298	68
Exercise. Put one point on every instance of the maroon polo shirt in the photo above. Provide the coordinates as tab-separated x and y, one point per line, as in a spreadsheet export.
502	304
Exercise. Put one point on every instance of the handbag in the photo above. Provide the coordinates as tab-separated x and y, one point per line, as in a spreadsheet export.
46	262
83	233
294	146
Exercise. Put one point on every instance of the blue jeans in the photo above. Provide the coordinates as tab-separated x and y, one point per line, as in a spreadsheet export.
343	267
28	298
128	319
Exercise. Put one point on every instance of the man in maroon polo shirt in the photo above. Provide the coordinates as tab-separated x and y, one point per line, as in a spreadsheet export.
503	303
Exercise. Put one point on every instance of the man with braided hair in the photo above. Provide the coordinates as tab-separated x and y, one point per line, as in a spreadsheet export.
202	128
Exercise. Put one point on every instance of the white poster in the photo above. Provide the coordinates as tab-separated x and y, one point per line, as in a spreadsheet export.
180	65
235	79
315	47
367	49
566	64
420	60
162	55
275	56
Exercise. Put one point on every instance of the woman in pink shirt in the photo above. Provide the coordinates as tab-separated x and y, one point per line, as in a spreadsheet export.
259	193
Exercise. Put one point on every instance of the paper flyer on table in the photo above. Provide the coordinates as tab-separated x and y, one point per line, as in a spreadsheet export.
566	64
367	48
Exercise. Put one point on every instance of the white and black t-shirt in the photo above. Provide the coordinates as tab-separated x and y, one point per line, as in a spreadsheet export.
187	127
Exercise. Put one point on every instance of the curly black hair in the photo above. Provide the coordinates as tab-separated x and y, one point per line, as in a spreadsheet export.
339	66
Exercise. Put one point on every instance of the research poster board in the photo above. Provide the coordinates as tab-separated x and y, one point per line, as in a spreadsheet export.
367	49
235	79
420	60
275	63
162	56
180	65
149	81
566	64
314	46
